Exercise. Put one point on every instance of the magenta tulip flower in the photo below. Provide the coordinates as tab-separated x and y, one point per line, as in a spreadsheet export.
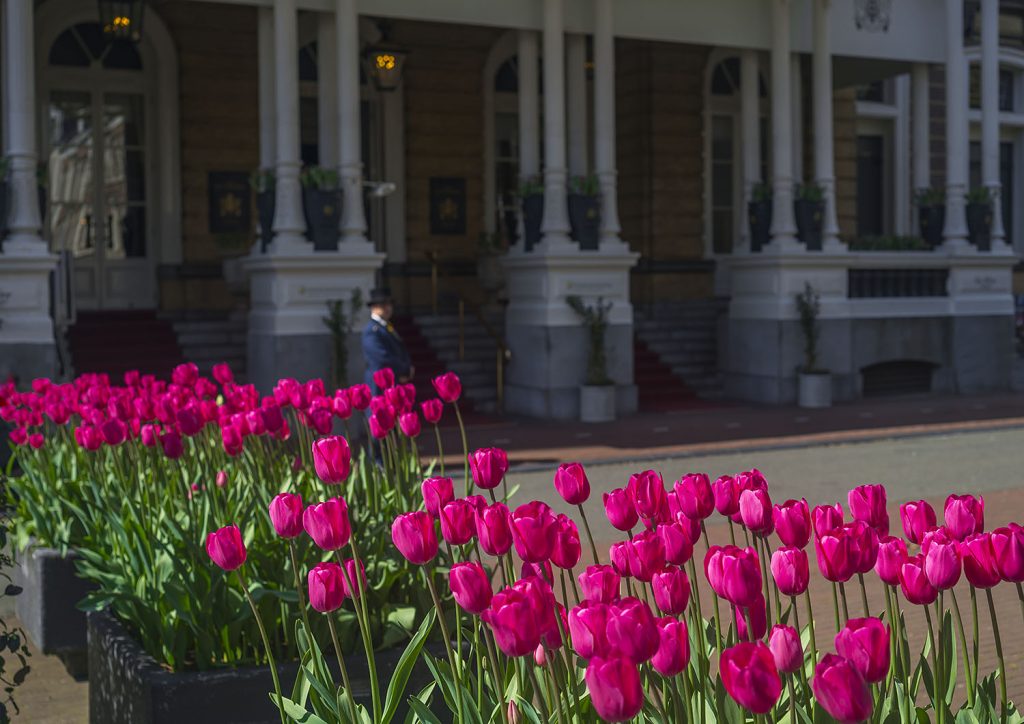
572	484
225	547
614	686
841	690
868	504
470	586
332	459
792	522
671	590
493	529
696	498
588	624
326	587
286	514
942	559
414	537
673	654
750	676
600	584
892	554
979	557
632	631
864	642
327	524
918	517
790	570
620	509
488	467
964	515
786	647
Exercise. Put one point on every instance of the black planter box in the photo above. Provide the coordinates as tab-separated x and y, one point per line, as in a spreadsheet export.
323	215
533	215
760	219
585	220
979	225
931	220
265	211
47	607
127	686
41	192
809	215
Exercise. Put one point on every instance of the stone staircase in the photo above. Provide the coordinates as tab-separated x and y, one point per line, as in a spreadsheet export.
684	339
210	340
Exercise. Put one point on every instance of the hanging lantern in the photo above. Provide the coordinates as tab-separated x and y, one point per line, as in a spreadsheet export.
122	19
384	65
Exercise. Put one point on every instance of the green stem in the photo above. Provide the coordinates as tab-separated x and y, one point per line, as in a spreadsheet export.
266	643
1020	595
447	643
803	672
590	536
999	655
938	702
968	676
842	597
810	625
440	449
344	669
974	632
364	624
864	595
835	605
465	449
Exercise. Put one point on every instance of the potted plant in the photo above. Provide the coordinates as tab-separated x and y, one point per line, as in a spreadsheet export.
759	211
531	195
931	214
262	182
814	385
585	210
809	209
321	200
979	217
597	394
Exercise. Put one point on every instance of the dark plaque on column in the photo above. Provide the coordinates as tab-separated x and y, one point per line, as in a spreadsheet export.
448	206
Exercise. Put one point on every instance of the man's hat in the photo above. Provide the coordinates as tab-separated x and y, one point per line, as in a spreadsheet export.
379	297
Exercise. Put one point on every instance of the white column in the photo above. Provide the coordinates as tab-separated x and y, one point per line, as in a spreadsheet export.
529	105
267	106
604	124
783	224
750	124
289	223
990	177
824	128
353	218
23	220
576	81
903	223
955	232
796	94
327	91
921	133
555	226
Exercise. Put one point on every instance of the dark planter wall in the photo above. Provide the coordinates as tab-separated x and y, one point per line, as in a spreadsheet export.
323	215
585	220
979	225
809	215
931	220
533	215
760	220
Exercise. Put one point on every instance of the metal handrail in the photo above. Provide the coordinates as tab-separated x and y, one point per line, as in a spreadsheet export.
503	355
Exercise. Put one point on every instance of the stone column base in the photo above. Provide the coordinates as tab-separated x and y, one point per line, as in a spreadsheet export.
27	345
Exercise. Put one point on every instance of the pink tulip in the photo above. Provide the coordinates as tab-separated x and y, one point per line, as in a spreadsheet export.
632	631
222	479
588	625
332	459
513	622
792	522
864	545
437	492
964	515
696	498
673	654
327	524
600	583
532	527
286	514
565	548
1008	545
942	559
754	615
864	642
647	489
918	518
756	511
114	432
892	554
620	509
646	554
542	569
618	554
350	568
493	529
414	537
409	424
734	574
170	443
836	557
980	564
841	690
671	590
614	686
790	570
914	582
448	386
750	676
488	467
341	405
432	410
727	495
458	522
826	517
572	484
470	586
868	504
676	542
326	586
786	647
384	378
225	547
360	395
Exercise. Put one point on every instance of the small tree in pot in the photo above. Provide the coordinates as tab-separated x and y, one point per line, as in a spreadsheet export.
321	199
597	394
931	214
262	182
531	195
809	209
759	211
980	202
585	210
814	385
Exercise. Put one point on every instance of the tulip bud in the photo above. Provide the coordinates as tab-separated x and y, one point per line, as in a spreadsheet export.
414	537
588	624
696	499
631	630
326	586
964	515
918	518
620	509
863	545
792	522
493	529
332	459
673	654
341	405
1008	545
734	574
914	582
614	686
671	590
470	586
868	504
565	549
790	570
646	555
572	484
835	555
409	423
647	490
225	547
384	378
826	517
786	648
892	553
286	514
756	511
448	386
841	690
979	557
458	522
360	395
437	492
221	479
512	620
532	527
864	642
750	676
432	410
600	583
327	524
942	559
488	467
727	495
513	715
676	542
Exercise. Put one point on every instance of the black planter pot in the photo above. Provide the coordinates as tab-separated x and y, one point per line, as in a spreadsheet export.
127	686
323	214
809	215
41	191
930	221
47	607
979	225
3	209
760	219
533	215
585	220
265	212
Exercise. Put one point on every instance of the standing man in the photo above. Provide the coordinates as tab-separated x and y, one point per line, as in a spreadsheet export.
382	347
